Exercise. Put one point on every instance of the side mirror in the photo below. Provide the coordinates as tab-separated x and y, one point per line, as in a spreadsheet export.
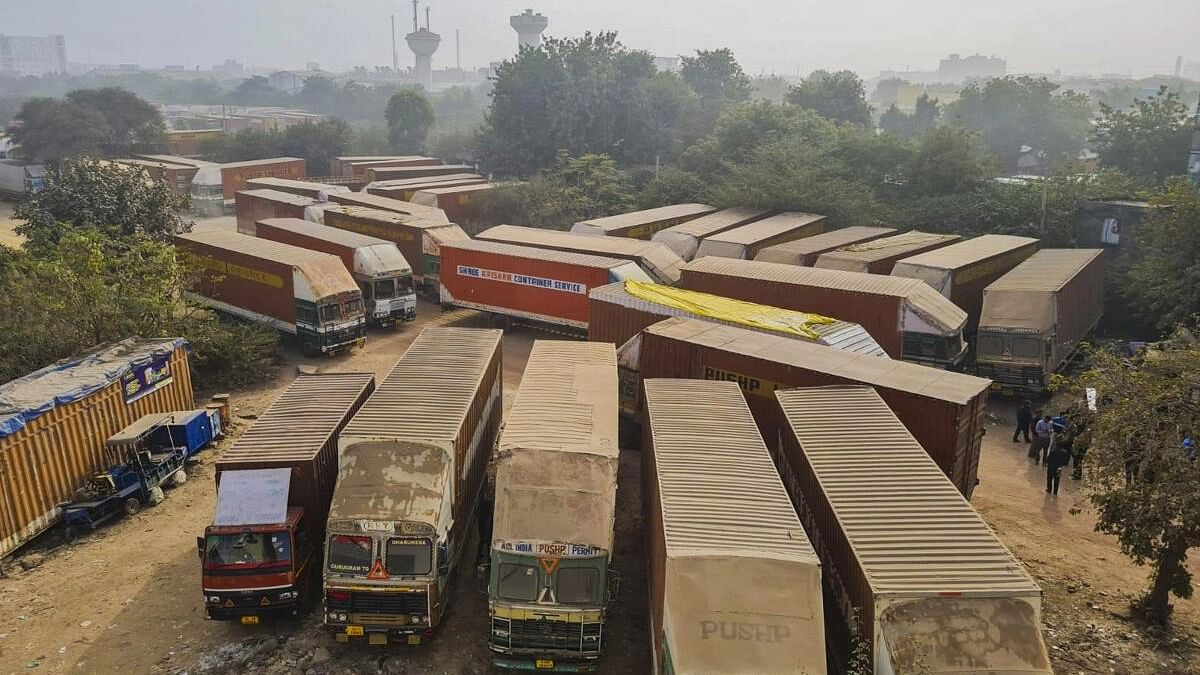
614	584
482	577
200	547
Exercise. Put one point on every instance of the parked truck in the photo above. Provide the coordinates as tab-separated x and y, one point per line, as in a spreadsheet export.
961	271
523	284
735	585
355	167
879	256
405	188
410	474
297	187
259	204
391	171
223	181
804	252
261	555
924	582
684	239
549	582
20	179
642	224
1035	317
369	201
300	292
906	317
383	275
419	240
655	259
745	241
457	202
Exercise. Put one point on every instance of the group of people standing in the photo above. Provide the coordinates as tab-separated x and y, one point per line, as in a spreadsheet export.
1052	443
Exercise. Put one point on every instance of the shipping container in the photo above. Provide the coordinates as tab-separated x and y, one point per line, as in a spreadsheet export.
906	317
1036	316
383	275
406	189
879	256
519	283
930	586
555	507
734	583
54	423
177	176
303	188
642	224
746	241
804	252
232	176
684	238
304	293
458	203
356	166
298	435
412	465
656	260
944	410
420	240
260	204
397	171
370	201
961	271
189	141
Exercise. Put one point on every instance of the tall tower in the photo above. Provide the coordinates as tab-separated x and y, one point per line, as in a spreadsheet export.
529	27
423	43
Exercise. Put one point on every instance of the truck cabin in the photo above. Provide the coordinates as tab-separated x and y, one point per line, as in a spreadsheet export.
253	569
388	288
943	351
340	308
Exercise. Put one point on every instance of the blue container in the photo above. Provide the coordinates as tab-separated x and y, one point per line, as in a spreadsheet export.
191	429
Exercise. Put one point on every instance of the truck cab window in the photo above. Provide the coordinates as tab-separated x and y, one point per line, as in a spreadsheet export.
404	285
1027	347
331	312
578	585
385	289
352	309
409	556
350	554
991	344
248	548
518	582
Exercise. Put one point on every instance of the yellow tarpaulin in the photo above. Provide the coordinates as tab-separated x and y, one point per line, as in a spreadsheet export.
752	315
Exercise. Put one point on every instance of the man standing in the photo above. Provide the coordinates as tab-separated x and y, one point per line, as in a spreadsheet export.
1056	458
1024	419
1041	440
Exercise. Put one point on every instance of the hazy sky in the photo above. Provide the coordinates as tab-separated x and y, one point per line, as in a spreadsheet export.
1095	36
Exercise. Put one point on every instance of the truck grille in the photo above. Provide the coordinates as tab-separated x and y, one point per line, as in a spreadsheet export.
380	603
1016	376
543	634
337	337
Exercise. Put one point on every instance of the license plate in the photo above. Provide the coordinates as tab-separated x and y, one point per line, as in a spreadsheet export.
356	631
249	620
414	639
544	664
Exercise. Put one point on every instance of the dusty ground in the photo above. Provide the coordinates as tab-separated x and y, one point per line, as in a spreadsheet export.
7	236
126	599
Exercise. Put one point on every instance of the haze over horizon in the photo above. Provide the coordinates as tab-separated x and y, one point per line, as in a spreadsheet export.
1104	36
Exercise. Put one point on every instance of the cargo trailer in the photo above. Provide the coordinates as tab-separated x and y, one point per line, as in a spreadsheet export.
944	410
924	582
906	317
223	181
549	582
684	239
804	252
356	166
300	292
383	275
412	464
259	204
746	241
390	171
642	224
177	159
405	189
879	256
656	260
20	179
54	423
318	191
177	176
370	201
1035	317
419	240
527	285
262	554
734	583
961	271
458	203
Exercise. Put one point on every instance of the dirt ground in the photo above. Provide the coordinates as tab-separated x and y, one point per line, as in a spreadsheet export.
126	600
7	236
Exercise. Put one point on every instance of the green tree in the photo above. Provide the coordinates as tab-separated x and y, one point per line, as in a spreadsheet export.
672	115
317	143
673	186
716	76
257	90
51	130
770	88
1164	284
946	162
838	96
318	93
894	121
409	117
131	125
1149	141
577	188
240	146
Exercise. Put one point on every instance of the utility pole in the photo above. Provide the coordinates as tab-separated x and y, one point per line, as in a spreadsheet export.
395	56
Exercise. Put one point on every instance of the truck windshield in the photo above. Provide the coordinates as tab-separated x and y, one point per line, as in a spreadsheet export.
991	344
517	582
409	556
577	585
1028	348
385	289
254	549
350	554
352	309
331	312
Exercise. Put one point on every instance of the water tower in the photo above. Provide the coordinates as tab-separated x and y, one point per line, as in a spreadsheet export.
423	43
529	27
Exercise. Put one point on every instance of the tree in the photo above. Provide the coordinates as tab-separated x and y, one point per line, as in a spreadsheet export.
894	121
409	117
318	93
673	186
256	90
113	199
131	124
577	188
716	76
838	96
51	130
1149	141
945	162
770	88
317	143
1164	284
672	115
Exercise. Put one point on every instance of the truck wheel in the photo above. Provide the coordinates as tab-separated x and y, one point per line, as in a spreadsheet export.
132	506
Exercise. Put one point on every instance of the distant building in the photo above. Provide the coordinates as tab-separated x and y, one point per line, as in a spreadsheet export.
285	80
24	55
230	69
975	67
668	64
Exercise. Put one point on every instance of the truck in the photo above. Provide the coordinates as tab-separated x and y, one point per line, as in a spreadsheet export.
177	176
879	256
906	317
961	271
404	188
303	188
457	202
411	469
369	201
735	585
530	285
261	555
258	204
642	224
658	262
303	293
684	238
912	569
223	181
944	410
549	581
20	179
355	166
419	240
1035	317
804	252
391	171
745	241
383	275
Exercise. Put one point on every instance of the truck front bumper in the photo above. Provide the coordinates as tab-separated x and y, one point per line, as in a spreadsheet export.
249	609
381	635
545	663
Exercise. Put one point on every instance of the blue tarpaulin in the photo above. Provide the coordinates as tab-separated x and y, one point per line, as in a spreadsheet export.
137	362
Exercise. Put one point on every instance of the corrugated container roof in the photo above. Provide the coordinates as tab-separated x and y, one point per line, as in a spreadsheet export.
662	259
429	391
888	247
259	162
373	158
300	422
913	378
764	229
970	251
156	163
278	196
911	530
382	216
716	222
456	189
718	486
1047	270
289	182
623	220
928	303
325	232
367	200
425	180
263	249
820	243
565	257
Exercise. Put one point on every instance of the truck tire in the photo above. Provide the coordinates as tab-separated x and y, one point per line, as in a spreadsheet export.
132	506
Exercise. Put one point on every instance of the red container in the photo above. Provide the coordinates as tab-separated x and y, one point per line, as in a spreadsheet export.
395	171
256	205
357	168
235	174
457	202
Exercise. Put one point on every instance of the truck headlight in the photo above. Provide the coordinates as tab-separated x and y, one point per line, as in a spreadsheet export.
214	599
416	618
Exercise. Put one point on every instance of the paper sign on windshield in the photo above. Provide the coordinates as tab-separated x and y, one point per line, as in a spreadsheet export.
252	497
